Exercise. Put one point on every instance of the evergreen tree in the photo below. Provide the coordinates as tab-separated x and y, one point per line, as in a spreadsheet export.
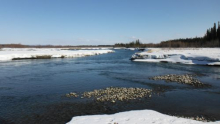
208	35
214	33
218	32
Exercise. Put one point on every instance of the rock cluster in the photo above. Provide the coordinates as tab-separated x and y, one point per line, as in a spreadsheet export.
113	94
195	118
200	119
183	79
72	94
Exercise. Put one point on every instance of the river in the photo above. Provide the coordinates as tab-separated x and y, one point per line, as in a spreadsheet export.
33	91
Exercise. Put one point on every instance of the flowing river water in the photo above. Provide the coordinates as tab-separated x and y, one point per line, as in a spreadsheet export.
33	91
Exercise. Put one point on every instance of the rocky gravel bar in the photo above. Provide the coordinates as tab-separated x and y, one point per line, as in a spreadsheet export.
113	94
183	79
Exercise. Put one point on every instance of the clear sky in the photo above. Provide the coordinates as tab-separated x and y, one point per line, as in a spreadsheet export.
93	22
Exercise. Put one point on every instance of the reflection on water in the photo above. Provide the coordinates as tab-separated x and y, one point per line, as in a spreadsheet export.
33	91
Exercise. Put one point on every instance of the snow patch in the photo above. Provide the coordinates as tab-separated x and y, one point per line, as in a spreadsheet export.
200	56
25	53
134	117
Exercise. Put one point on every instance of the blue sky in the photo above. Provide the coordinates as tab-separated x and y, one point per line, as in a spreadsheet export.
93	22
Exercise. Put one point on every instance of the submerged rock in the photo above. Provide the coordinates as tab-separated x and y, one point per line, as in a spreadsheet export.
72	94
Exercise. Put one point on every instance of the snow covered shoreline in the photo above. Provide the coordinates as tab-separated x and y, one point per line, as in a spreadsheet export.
135	117
36	53
199	56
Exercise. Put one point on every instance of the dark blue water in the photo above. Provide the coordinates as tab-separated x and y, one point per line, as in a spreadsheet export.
33	91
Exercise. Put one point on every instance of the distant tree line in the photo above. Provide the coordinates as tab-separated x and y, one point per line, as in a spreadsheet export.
135	43
210	39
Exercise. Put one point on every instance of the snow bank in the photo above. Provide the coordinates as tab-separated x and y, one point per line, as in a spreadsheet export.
118	48
201	56
134	117
98	48
131	48
28	53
